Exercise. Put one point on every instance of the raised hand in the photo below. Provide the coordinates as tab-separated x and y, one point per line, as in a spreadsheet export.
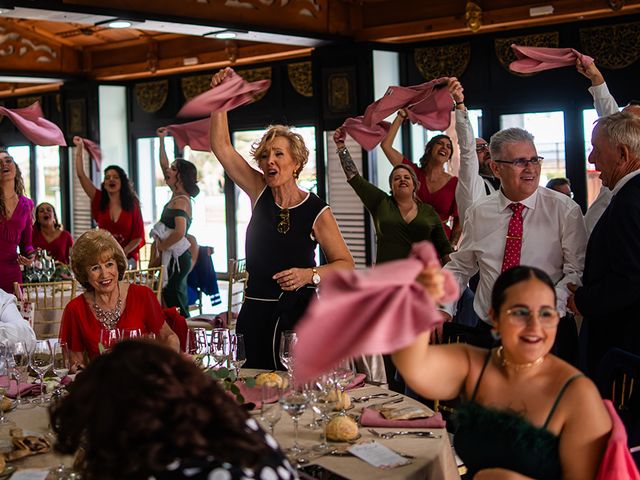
590	71
77	141
162	132
456	90
220	76
339	136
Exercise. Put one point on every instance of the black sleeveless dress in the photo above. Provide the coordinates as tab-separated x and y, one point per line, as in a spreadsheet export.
267	310
491	438
175	293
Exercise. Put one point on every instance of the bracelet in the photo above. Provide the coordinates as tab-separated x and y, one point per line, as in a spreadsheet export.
341	150
459	103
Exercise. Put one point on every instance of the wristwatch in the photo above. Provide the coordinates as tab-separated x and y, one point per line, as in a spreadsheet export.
315	277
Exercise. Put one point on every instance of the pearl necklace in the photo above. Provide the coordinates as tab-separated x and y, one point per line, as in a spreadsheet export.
518	366
108	318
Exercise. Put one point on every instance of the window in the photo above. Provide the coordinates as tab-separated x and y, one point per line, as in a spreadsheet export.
593	176
548	131
22	156
48	180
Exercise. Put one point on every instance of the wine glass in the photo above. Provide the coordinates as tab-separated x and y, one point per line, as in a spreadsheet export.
41	360
294	402
322	403
108	338
129	333
197	346
220	345
238	353
343	374
4	383
61	363
21	372
288	339
271	413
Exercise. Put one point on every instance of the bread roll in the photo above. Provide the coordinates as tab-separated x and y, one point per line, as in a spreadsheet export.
342	428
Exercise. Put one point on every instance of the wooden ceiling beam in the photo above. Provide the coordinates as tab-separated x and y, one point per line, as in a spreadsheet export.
9	90
493	20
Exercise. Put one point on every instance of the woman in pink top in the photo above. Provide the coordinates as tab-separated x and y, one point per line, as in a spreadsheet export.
48	234
16	212
437	187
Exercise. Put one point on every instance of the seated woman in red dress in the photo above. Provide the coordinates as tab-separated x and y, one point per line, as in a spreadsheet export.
99	263
48	234
115	206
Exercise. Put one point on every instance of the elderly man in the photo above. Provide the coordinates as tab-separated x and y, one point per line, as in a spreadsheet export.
609	299
521	223
13	328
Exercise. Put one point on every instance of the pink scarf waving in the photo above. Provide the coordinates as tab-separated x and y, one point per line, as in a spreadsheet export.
617	463
537	59
32	124
428	104
94	151
195	134
232	92
366	312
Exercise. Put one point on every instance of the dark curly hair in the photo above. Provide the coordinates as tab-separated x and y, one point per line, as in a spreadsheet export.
56	222
429	148
128	197
188	175
138	408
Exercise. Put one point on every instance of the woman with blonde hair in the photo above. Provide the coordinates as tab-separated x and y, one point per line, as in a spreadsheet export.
286	225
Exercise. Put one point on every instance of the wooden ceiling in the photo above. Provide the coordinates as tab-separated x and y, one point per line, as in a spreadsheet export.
68	39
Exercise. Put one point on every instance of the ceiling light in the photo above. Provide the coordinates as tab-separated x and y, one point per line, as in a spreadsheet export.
225	35
119	24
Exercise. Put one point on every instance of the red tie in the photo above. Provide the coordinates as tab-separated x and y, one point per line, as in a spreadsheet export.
513	246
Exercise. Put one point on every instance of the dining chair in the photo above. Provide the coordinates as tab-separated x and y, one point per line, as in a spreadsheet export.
47	301
151	277
237	282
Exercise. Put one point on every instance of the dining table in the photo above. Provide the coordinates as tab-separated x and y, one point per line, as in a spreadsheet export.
432	456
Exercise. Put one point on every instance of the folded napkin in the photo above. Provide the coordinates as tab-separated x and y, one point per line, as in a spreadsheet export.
231	93
427	104
25	389
357	382
195	134
254	395
373	418
363	312
32	124
537	59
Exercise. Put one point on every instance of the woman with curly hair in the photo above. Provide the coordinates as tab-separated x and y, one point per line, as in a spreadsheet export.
49	235
286	226
108	302
143	411
16	212
115	206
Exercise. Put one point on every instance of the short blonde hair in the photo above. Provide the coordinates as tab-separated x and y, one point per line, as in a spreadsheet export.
90	247
298	149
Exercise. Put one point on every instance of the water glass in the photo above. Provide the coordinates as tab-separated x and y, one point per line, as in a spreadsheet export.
238	352
41	360
21	372
4	383
220	346
61	363
270	412
288	340
198	346
323	403
294	402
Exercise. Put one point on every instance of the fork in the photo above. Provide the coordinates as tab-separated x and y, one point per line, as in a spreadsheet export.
366	398
387	402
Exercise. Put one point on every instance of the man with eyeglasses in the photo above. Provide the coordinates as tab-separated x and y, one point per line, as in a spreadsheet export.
475	177
521	224
609	299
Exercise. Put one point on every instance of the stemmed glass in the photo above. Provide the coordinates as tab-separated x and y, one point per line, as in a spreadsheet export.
61	363
108	338
271	413
129	333
41	360
322	403
238	354
294	402
220	345
20	372
288	340
343	374
4	384
197	346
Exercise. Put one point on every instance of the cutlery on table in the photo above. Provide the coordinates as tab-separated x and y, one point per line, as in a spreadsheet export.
388	402
366	398
416	433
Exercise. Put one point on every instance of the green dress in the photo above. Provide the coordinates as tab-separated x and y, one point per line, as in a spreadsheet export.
394	236
175	293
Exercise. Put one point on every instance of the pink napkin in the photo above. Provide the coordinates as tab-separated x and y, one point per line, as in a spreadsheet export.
94	151
254	395
370	311
537	59
373	418
195	134
358	381
617	462
428	104
25	389
31	122
232	92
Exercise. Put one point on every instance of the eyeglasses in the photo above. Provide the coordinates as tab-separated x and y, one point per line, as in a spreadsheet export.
283	225
482	146
521	316
523	162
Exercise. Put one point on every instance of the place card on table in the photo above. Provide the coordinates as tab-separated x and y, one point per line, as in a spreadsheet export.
378	455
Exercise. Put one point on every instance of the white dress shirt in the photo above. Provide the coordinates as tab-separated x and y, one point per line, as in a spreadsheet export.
554	240
471	186
13	328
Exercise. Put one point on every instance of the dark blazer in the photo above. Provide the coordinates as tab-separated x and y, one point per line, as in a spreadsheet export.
610	297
